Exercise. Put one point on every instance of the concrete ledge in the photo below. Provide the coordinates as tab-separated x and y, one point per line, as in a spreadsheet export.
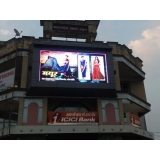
133	99
44	129
128	63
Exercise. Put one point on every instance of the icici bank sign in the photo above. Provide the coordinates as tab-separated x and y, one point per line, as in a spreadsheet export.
72	117
134	120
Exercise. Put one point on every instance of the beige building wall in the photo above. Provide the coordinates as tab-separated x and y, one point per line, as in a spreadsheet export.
117	79
24	72
126	52
118	87
45	110
99	104
20	111
121	112
138	89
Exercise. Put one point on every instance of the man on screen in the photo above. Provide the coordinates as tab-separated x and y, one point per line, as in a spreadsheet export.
52	63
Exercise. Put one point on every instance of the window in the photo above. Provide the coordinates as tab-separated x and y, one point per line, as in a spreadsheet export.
125	86
125	118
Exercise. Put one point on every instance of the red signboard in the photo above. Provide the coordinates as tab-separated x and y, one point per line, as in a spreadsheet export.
72	117
134	120
69	28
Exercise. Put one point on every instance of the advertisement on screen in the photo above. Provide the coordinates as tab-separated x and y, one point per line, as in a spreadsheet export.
7	78
73	66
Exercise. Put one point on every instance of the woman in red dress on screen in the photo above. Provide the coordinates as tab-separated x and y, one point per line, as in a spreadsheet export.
96	75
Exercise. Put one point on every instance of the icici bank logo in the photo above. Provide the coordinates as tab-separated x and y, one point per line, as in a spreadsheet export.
55	118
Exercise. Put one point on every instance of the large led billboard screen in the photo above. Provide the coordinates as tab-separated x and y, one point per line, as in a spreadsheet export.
73	66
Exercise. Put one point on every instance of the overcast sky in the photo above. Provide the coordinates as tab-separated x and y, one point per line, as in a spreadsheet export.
143	37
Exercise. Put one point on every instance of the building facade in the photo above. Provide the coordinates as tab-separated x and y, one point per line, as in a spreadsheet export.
52	89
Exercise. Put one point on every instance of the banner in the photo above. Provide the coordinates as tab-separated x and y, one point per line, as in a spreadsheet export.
72	118
7	78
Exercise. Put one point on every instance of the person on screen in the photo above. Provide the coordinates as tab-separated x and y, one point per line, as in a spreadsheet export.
83	67
53	64
66	68
46	63
96	75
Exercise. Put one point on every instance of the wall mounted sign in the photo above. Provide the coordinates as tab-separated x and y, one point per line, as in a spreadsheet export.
72	118
69	28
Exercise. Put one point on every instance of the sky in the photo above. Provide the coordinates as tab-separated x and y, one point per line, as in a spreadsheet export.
137	26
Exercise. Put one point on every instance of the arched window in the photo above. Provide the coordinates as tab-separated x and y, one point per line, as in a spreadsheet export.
110	112
32	113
